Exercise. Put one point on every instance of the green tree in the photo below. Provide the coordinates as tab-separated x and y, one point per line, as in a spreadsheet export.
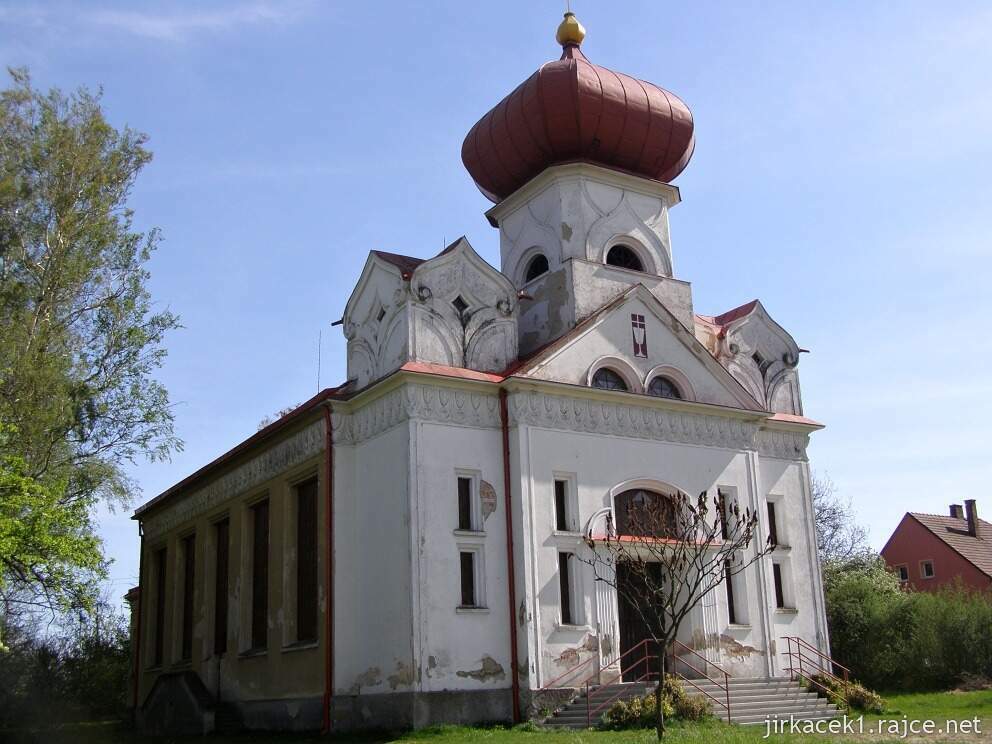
79	340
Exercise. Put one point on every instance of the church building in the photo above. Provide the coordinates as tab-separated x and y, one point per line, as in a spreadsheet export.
405	549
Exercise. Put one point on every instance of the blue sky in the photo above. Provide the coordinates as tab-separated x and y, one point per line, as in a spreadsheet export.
841	175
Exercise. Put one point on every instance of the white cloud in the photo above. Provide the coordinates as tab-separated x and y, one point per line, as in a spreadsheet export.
179	26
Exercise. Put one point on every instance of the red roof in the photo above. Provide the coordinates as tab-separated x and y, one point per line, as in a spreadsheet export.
571	109
405	264
954	531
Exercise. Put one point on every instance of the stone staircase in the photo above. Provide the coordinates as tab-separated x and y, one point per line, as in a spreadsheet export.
752	701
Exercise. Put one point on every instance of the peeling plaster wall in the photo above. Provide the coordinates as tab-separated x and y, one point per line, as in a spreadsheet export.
276	673
546	454
464	650
373	643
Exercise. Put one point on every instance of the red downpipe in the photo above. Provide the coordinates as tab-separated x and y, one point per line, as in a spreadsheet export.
137	626
329	577
511	580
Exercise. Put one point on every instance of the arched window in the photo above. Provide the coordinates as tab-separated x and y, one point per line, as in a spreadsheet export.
606	379
663	387
624	257
536	266
645	514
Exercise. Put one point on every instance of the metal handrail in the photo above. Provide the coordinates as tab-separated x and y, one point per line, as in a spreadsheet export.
646	658
567	672
726	675
800	643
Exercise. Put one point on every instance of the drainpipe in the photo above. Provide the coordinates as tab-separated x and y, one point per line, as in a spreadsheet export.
137	625
511	581
329	575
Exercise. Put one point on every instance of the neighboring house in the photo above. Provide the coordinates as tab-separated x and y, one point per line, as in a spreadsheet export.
403	549
928	551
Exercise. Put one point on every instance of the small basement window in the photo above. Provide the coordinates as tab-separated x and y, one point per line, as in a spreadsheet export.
537	266
624	257
606	379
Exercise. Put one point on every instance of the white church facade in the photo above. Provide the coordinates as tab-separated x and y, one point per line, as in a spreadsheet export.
406	548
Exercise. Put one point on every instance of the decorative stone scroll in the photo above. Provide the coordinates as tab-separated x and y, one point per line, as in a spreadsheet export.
785	445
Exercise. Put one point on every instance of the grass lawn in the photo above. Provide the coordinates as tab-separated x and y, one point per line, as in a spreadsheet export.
939	707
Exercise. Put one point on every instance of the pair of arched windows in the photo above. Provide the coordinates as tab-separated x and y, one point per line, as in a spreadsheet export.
660	386
620	255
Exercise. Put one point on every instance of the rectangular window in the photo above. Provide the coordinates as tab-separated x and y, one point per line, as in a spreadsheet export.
779	592
306	561
467	560
222	531
903	573
561	505
159	638
260	575
724	524
772	525
465	504
926	569
565	588
731	603
189	568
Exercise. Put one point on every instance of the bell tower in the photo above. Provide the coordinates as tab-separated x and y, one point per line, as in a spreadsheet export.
579	159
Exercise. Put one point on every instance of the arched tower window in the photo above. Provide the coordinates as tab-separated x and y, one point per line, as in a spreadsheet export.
644	513
663	387
606	379
624	257
536	266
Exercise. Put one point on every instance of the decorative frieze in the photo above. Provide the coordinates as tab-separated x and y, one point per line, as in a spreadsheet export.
785	445
266	465
621	419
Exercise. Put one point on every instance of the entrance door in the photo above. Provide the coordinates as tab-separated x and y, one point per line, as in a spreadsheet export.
633	629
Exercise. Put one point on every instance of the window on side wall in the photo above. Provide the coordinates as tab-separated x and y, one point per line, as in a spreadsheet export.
222	542
773	530
189	576
926	569
470	569
158	642
566	505
566	589
260	576
903	572
465	521
306	561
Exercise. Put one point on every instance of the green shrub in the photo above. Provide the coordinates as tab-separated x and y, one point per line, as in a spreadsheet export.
849	695
642	712
903	640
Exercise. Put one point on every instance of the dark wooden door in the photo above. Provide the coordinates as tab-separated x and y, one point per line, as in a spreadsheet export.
633	629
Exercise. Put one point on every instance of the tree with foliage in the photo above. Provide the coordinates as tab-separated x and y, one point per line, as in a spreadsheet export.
79	340
839	537
665	553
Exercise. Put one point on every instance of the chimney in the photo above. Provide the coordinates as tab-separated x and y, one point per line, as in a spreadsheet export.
972	511
957	511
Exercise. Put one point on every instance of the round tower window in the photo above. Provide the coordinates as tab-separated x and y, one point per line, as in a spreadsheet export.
537	266
624	257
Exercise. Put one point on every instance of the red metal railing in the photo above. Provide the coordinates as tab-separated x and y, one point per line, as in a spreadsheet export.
646	660
725	688
814	664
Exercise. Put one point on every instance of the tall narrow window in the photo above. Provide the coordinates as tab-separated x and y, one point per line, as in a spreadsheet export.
728	579
260	575
565	588
189	568
779	592
772	525
561	505
159	644
724	523
467	560
465	503
222	531
306	561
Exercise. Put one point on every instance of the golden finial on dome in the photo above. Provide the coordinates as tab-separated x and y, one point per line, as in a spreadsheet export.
570	31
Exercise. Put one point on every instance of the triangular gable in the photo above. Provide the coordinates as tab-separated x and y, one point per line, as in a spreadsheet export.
607	338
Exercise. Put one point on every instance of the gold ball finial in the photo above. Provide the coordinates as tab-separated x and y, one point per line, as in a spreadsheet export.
570	31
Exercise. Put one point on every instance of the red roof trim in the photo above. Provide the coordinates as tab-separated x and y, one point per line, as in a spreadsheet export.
442	370
275	426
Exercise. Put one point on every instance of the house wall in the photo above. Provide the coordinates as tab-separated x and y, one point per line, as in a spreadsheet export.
912	543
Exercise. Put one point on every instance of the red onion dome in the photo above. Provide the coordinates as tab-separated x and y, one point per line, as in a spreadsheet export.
571	109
